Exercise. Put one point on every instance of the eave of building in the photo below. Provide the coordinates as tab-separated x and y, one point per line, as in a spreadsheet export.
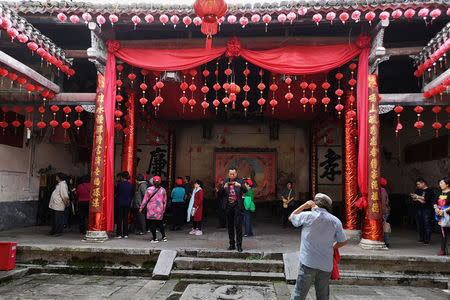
22	25
184	7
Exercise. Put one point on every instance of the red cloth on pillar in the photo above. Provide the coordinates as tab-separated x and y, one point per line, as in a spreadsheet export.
362	95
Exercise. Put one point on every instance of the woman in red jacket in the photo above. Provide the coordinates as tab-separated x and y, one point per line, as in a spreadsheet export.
198	206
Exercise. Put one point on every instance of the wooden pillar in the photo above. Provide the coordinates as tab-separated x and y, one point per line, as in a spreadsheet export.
372	229
97	209
350	176
129	141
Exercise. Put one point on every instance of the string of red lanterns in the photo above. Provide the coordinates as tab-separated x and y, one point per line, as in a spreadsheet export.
210	17
439	89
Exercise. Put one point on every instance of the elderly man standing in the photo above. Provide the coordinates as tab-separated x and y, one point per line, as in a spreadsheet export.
321	233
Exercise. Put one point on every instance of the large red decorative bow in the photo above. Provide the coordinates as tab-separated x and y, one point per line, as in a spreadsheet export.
363	41
361	203
112	46
233	47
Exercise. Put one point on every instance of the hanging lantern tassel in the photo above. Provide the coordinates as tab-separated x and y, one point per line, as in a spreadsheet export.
398	109
208	42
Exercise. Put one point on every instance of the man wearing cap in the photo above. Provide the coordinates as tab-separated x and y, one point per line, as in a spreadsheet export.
234	190
321	234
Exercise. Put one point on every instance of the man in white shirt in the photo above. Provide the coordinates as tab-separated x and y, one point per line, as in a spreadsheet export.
321	233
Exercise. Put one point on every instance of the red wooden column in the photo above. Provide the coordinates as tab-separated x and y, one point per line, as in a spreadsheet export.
97	202
129	141
350	178
372	229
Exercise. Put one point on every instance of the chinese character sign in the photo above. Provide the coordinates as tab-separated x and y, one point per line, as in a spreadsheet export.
329	165
153	160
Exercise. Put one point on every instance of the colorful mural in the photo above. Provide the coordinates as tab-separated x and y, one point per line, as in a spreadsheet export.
260	167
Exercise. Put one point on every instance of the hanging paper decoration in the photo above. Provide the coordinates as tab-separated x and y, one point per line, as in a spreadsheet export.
101	20
325	99
74	19
330	16
163	19
174	19
409	13
244	21
273	88
78	122
66	125
16	122
209	12
266	19
302	11
220	21
3	123
3	73
436	125
22	38
205	90
233	90
184	87
54	123
246	89
187	21
149	18
261	86
418	124
41	124
28	122
197	21
356	16
12	77
317	18
32	46
132	77
21	81
304	100
344	17
339	92
397	13
398	109
312	86
113	19
352	83
86	17
291	16
61	17
384	15
192	88
435	13
282	18
255	18
423	13
370	16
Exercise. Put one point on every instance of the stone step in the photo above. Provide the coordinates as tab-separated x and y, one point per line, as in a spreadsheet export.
229	264
218	253
232	275
393	278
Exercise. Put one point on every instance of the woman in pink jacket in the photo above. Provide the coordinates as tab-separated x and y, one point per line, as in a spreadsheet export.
155	201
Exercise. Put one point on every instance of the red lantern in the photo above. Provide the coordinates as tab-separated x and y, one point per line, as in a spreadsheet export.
304	101
65	125
351	114
273	103
28	124
210	12
41	125
325	101
78	123
67	110
118	126
419	125
418	109
192	103
119	98
339	107
216	103
261	102
61	17
205	105
22	38
261	86
159	84
317	18
225	101
143	101
187	21
266	19
54	123
132	77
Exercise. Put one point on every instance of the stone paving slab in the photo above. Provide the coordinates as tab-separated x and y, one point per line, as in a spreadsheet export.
164	264
269	237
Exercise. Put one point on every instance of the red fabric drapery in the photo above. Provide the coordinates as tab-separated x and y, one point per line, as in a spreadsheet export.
292	60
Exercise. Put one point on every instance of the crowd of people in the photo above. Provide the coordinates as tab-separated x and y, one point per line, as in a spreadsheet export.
147	200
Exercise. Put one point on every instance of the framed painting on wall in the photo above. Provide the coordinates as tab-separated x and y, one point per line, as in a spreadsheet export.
260	167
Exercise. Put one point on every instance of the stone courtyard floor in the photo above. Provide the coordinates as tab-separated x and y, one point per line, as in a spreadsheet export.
269	237
60	286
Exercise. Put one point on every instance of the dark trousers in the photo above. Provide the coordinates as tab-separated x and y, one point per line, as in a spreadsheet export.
57	222
157	224
122	223
445	231
197	225
235	217
177	214
423	222
285	216
83	213
222	215
139	220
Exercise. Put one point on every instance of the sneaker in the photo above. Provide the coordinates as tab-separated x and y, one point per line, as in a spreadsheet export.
193	231
154	241
118	237
164	239
140	233
198	232
125	237
442	253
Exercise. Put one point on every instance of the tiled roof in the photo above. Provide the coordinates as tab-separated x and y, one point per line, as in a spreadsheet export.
185	6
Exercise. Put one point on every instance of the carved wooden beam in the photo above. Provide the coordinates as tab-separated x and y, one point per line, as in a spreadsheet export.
19	67
437	81
378	52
